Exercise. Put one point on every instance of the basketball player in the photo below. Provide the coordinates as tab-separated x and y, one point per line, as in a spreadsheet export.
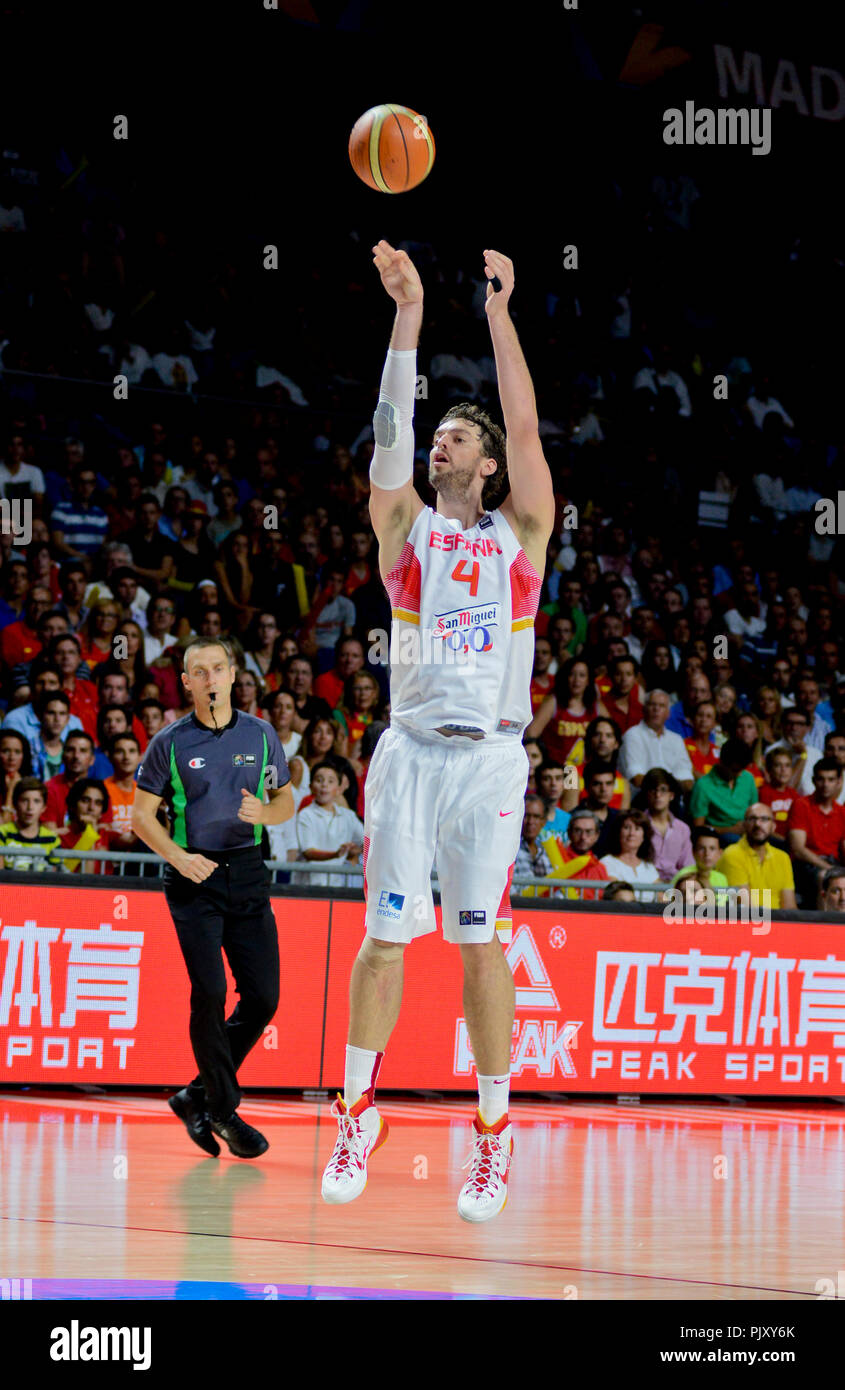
447	779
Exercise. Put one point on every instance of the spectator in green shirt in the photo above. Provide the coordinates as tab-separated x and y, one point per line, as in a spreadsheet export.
722	796
706	851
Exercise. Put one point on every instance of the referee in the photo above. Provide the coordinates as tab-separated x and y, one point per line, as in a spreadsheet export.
211	768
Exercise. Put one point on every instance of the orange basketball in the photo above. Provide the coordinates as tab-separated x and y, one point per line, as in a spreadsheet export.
391	148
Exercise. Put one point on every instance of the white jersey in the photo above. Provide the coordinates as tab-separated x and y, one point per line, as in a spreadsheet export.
462	644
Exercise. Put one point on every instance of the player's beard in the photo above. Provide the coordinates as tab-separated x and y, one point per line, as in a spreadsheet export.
454	486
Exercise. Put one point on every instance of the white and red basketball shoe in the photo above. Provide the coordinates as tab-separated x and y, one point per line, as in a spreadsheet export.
361	1130
485	1191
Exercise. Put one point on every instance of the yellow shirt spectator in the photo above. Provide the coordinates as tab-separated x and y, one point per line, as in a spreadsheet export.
741	864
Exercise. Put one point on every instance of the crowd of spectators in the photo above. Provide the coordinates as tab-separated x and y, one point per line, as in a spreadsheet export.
688	691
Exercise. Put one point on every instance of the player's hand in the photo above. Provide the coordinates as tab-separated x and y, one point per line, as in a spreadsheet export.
194	866
252	810
497	264
399	275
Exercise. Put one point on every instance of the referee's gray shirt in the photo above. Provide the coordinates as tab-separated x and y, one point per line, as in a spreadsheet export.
199	774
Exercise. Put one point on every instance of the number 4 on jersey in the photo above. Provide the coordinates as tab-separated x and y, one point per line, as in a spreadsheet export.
467	573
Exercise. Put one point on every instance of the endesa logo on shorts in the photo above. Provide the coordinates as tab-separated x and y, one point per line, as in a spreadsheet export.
390	904
467	629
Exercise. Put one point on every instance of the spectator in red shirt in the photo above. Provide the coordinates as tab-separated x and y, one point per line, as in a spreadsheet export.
19	641
78	761
623	703
113	687
360	571
542	681
98	631
702	749
65	652
777	794
349	658
562	719
87	805
583	835
816	831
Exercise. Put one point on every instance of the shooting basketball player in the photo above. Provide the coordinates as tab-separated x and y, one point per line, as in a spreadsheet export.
447	780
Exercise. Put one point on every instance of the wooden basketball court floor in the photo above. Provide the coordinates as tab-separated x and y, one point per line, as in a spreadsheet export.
104	1196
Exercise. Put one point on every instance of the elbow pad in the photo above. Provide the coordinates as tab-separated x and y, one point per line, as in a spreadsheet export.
392	464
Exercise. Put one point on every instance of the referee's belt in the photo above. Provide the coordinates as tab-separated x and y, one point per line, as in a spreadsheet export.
461	730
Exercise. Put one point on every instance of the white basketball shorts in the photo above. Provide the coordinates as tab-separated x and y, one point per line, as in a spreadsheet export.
453	803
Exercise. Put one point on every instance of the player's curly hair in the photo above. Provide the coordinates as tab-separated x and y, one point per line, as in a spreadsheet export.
492	442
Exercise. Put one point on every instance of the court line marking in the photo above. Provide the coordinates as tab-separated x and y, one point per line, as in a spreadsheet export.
419	1254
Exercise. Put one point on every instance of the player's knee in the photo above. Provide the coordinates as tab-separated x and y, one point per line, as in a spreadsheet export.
379	955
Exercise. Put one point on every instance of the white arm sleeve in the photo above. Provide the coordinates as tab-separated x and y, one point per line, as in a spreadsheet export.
392	463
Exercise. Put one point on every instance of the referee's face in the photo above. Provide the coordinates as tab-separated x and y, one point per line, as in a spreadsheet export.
209	670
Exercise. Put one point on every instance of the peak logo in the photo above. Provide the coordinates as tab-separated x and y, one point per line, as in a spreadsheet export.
540	1045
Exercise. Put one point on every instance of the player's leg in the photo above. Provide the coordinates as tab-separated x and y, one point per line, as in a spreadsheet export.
398	851
479	838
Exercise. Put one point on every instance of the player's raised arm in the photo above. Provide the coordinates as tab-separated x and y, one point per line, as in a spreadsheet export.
394	502
531	503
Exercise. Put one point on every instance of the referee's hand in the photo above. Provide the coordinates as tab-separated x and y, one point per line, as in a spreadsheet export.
194	866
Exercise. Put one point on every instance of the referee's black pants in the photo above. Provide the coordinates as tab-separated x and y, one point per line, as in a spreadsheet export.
230	911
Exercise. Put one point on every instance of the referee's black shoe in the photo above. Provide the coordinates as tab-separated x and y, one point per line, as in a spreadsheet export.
195	1120
243	1140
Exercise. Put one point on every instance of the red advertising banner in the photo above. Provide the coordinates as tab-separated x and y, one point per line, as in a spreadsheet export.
93	989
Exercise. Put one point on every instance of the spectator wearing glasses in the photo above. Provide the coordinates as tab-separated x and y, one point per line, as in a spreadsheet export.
754	863
796	726
161	619
670	837
531	857
79	527
98	632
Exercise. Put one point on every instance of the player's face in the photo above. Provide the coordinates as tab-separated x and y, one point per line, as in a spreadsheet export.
456	457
